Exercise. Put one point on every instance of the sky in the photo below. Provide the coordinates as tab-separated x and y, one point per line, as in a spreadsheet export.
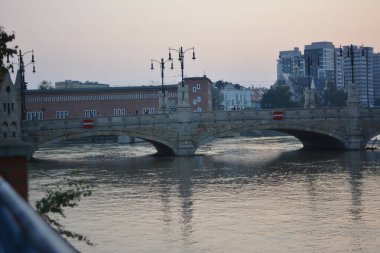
113	41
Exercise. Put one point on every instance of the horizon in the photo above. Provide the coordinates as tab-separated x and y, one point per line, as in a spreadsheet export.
113	42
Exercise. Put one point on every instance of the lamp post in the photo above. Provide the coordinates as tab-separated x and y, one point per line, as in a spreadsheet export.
23	84
162	67
181	59
351	56
308	92
365	54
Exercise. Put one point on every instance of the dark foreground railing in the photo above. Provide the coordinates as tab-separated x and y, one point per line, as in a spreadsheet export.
22	229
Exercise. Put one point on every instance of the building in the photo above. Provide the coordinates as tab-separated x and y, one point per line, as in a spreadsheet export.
361	73
339	70
236	97
200	93
113	101
320	63
69	84
376	79
10	111
256	96
291	63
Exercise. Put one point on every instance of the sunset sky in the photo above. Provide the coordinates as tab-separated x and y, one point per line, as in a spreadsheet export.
237	40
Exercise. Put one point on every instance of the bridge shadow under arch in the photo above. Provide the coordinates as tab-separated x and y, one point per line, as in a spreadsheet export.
163	147
312	138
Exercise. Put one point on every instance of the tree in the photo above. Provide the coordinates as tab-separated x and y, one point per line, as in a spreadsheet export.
222	84
45	85
334	97
4	50
66	193
278	97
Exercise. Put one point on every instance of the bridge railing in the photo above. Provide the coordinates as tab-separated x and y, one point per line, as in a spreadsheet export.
265	114
22	230
143	119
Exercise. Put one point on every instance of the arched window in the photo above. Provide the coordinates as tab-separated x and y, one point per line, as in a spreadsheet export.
4	129
13	129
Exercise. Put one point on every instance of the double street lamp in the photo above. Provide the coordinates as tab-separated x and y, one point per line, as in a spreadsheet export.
351	56
162	68
22	67
181	58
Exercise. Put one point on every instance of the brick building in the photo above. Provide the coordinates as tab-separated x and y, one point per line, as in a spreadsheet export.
113	101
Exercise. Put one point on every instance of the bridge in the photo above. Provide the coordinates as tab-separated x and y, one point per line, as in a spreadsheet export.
180	133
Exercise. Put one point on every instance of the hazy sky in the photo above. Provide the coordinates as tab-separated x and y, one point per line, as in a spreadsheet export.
112	41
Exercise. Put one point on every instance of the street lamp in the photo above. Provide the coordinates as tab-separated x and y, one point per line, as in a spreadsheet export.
351	56
365	54
309	65
162	67
308	92
22	67
181	56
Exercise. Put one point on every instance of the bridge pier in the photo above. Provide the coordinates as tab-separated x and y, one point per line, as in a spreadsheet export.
355	138
185	150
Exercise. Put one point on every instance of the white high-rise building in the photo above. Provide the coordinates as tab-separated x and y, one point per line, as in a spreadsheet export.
361	72
291	63
339	70
376	79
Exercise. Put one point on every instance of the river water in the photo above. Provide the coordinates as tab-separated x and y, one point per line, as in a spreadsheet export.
237	195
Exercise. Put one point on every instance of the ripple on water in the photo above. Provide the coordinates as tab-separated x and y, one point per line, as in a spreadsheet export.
239	195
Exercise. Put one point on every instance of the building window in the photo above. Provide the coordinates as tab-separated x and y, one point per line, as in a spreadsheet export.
148	110
194	101
34	115
90	113
61	114
199	99
199	109
198	86
194	89
4	129
119	112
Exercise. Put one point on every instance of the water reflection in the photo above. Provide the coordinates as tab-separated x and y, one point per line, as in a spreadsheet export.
262	200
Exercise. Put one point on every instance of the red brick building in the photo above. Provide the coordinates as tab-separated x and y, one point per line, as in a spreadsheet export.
113	101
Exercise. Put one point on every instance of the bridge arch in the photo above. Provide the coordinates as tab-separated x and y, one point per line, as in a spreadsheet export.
163	146
310	136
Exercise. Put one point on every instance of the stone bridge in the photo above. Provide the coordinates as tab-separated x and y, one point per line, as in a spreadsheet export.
182	132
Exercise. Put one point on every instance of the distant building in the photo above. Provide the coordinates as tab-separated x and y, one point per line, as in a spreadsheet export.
291	63
113	101
376	79
321	55
339	70
69	84
285	81
235	97
363	72
256	96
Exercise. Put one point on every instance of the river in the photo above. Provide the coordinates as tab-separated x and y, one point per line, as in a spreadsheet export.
236	195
